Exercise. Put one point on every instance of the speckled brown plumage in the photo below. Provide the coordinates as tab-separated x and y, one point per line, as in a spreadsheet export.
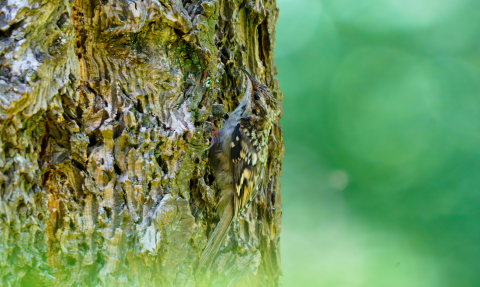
238	158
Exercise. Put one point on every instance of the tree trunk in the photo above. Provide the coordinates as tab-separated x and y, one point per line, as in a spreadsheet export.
104	173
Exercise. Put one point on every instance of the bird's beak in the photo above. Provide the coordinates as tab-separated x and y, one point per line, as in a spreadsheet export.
248	75
250	81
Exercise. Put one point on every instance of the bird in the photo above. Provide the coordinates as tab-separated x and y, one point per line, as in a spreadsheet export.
238	155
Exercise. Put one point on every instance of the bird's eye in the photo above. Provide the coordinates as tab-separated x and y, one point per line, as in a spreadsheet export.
256	97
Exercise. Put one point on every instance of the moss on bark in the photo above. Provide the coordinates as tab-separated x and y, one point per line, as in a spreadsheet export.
103	171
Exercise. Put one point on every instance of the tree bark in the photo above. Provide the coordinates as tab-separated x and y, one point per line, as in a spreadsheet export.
104	173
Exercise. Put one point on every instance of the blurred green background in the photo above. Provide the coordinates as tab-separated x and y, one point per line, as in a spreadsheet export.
380	183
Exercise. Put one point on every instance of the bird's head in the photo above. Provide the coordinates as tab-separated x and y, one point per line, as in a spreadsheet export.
259	101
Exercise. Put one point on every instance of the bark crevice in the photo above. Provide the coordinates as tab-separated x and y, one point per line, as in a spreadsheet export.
104	177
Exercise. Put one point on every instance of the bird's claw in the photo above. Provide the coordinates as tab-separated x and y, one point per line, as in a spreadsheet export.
214	135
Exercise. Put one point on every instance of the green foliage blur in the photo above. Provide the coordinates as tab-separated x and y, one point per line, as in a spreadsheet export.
381	177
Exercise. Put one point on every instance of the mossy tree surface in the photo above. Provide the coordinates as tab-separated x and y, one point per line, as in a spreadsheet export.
104	177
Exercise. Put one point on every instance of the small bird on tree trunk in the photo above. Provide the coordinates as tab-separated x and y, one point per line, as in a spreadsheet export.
238	155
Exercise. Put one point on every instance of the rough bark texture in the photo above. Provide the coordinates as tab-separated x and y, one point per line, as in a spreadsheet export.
104	177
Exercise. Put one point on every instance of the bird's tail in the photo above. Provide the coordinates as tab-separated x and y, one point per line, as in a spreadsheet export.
216	239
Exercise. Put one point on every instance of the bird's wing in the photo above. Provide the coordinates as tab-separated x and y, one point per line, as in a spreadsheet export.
245	167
